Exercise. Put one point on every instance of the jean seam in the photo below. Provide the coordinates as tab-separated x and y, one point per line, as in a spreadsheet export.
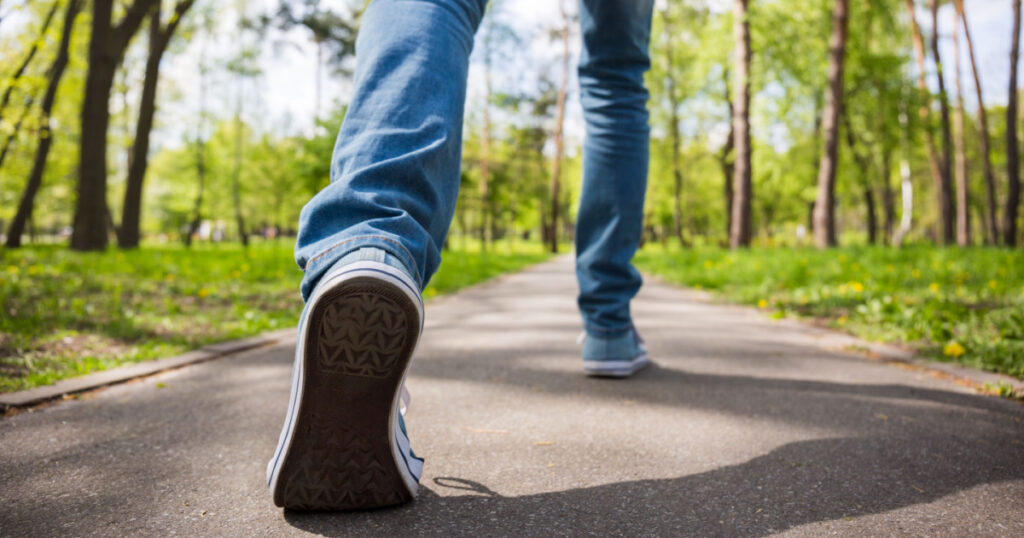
415	269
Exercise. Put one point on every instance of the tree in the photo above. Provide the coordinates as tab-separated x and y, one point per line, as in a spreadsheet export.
935	165
725	157
329	29
242	66
35	179
991	217
1012	149
26	110
107	46
485	139
159	38
556	161
963	214
673	103
824	206
12	82
946	210
740	231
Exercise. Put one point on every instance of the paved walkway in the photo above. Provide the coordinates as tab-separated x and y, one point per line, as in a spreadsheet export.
746	426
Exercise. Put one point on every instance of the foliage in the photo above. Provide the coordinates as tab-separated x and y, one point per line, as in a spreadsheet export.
68	314
965	305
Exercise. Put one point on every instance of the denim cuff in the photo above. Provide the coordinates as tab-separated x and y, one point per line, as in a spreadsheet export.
319	264
603	332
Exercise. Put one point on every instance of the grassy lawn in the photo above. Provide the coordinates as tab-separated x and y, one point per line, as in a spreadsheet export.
66	314
963	305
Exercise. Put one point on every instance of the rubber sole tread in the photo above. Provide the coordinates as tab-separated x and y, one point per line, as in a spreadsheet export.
360	339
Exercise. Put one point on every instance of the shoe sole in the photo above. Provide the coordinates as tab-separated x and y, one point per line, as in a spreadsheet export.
341	453
615	368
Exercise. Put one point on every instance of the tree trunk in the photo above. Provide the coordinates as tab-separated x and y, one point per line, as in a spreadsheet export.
824	205
200	149
159	37
35	178
740	228
946	209
725	158
197	209
673	103
106	50
906	185
888	197
556	165
13	80
864	165
1012	149
934	164
991	212
963	213
872	213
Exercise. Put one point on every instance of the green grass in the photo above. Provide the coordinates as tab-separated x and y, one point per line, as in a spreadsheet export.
963	305
64	314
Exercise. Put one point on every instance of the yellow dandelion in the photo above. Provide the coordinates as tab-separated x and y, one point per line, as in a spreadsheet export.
203	292
857	287
762	304
953	349
708	264
934	287
12	269
842	320
992	284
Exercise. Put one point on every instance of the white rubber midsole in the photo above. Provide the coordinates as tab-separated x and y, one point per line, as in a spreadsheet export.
398	442
616	368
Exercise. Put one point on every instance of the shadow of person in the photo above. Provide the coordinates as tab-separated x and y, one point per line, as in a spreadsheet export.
795	484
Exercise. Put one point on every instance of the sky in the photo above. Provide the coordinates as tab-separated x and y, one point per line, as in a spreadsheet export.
283	97
990	22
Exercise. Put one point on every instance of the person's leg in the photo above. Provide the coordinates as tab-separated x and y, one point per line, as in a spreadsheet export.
369	242
615	158
395	169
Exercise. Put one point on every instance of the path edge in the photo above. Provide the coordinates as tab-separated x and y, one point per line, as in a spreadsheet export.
847	344
23	399
31	397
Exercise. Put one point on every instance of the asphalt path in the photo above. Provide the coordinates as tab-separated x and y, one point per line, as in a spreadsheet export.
745	426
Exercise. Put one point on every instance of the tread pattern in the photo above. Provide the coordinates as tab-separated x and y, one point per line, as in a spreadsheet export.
363	335
360	339
343	470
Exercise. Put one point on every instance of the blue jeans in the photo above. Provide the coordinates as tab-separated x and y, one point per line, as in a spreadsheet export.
395	168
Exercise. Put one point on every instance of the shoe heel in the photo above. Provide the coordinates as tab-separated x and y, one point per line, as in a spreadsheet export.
360	339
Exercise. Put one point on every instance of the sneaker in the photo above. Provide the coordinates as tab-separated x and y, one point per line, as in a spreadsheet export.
619	356
344	443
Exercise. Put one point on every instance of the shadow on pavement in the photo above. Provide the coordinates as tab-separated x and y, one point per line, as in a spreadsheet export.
796	484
